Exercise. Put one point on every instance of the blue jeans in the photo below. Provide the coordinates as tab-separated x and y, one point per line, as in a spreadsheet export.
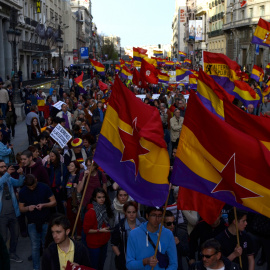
36	238
97	257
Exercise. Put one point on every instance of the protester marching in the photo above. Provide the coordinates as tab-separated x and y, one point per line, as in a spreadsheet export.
165	164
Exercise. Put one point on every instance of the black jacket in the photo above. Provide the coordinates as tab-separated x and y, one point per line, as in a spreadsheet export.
50	259
227	263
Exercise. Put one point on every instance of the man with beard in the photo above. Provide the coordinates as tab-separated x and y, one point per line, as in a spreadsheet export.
9	209
63	248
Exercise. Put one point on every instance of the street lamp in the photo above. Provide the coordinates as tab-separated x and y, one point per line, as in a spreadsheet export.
14	36
60	42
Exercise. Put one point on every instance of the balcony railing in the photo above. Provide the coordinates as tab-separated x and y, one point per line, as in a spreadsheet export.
215	33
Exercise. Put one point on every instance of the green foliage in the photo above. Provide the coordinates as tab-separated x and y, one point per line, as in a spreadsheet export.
109	49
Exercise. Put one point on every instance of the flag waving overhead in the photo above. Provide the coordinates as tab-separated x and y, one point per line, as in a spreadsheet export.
221	68
182	54
98	66
255	126
220	161
157	53
163	77
139	54
243	92
262	33
257	74
125	72
148	72
131	147
181	73
212	94
79	80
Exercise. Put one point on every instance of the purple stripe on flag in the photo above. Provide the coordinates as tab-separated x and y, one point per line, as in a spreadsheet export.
254	77
144	192
82	91
185	177
245	101
124	76
208	104
137	58
224	82
256	40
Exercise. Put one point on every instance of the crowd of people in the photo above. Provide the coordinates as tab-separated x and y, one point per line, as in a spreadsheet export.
42	188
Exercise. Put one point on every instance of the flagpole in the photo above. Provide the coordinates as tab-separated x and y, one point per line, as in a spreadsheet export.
237	234
162	221
79	210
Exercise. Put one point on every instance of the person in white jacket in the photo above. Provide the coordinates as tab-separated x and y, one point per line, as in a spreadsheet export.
66	115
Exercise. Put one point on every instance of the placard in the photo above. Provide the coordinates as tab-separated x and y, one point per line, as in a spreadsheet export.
60	135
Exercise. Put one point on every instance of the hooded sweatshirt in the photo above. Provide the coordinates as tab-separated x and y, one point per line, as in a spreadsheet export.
39	171
139	248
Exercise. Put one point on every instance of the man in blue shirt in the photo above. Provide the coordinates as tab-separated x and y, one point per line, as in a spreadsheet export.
9	209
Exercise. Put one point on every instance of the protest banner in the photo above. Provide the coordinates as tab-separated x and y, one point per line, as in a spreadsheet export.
58	105
60	135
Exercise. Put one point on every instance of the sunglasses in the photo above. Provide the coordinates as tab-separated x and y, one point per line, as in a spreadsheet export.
208	256
170	223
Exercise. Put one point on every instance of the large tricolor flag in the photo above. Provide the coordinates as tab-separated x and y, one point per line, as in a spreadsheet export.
257	74
220	161
212	94
136	154
139	54
262	33
221	68
169	63
181	73
256	126
98	66
157	53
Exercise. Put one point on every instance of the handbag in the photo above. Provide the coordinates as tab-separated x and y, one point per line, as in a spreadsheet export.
163	259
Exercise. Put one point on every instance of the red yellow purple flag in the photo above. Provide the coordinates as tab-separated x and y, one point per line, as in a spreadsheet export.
139	54
98	66
79	80
220	161
222	69
257	74
131	147
253	125
262	33
148	73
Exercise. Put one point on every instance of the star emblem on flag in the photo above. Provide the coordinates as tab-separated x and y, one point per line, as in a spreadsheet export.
228	183
132	146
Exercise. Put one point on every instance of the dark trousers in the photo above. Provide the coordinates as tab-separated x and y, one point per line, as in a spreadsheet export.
9	222
12	127
29	134
98	256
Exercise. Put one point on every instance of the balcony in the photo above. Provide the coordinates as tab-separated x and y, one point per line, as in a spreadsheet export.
215	33
244	23
34	47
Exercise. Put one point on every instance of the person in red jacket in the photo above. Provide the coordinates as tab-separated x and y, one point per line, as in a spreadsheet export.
96	227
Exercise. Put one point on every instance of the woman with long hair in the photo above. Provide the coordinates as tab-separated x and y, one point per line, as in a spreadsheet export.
96	227
71	199
121	232
11	117
56	171
34	131
118	203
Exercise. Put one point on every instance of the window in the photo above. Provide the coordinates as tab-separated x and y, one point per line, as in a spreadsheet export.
242	14
251	13
261	10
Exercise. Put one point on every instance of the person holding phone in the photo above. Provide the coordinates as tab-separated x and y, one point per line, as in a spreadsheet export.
96	227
